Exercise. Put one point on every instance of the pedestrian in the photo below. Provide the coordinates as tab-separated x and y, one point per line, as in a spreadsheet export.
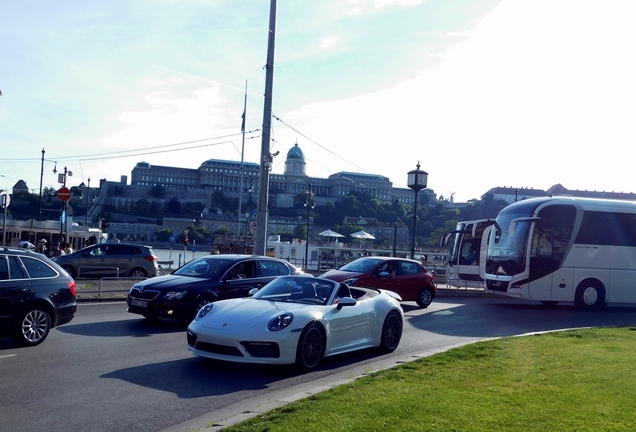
41	247
68	249
55	250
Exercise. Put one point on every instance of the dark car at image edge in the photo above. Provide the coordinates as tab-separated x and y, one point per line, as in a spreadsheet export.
36	295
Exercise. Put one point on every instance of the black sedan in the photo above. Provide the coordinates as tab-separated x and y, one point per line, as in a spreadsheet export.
35	295
201	281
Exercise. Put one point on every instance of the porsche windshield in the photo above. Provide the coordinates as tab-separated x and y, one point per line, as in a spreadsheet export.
298	289
507	246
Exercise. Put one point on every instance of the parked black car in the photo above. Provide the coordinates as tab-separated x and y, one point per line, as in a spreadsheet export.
204	280
35	295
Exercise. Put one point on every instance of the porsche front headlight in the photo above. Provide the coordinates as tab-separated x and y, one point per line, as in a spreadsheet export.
203	311
281	321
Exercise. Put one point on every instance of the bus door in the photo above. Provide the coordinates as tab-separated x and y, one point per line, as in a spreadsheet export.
549	281
562	285
483	252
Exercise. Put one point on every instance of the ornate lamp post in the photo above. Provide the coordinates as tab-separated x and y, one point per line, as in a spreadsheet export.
416	180
310	204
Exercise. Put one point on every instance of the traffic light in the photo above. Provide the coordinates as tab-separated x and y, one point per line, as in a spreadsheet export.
185	241
104	225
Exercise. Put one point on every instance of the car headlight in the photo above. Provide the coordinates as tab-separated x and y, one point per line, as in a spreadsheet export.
203	311
174	295
281	321
350	281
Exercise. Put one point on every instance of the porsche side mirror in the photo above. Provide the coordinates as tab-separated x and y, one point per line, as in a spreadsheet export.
347	301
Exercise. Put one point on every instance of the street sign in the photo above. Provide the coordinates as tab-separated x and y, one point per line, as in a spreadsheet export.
64	194
5	199
253	226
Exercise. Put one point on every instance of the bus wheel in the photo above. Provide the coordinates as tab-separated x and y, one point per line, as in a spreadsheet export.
590	294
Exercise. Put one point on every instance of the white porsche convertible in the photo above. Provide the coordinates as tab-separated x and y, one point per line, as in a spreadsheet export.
297	319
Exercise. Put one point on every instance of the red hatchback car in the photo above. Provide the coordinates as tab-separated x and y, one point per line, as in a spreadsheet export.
406	277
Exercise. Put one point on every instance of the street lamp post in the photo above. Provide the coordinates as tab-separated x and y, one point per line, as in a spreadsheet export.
88	196
395	229
310	204
247	221
64	219
416	180
41	178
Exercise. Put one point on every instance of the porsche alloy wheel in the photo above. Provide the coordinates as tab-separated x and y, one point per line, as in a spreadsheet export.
311	347
391	332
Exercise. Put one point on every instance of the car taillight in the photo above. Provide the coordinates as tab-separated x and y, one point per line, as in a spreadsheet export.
71	286
150	258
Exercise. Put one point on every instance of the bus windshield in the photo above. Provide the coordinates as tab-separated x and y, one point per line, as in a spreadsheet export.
456	248
507	248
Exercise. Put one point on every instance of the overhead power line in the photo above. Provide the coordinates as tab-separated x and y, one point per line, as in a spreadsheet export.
319	145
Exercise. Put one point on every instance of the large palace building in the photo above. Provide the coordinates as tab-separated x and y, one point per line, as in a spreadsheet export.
225	176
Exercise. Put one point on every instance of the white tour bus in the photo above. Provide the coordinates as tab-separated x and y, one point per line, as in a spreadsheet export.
564	249
465	263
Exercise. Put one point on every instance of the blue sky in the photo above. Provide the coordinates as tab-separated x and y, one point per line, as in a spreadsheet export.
484	93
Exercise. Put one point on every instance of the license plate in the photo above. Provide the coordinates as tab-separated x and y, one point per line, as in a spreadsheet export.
139	303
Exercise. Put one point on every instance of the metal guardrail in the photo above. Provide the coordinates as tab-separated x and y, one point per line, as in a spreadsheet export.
79	269
101	281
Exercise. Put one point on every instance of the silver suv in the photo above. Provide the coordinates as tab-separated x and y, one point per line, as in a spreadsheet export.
110	259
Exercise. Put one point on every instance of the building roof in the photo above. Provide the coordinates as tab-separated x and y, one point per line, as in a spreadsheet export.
295	153
527	192
560	190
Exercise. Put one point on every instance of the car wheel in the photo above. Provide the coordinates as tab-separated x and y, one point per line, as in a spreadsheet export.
391	332
70	270
424	298
202	301
32	327
138	273
311	347
590	294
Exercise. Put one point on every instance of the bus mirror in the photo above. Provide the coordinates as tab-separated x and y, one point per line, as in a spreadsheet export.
512	229
444	240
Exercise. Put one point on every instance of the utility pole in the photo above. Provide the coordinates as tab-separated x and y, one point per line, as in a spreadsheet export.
260	243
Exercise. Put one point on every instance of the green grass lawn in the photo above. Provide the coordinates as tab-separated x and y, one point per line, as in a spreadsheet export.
578	380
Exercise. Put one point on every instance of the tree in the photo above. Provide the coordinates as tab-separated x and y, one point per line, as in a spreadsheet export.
300	232
158	191
24	205
163	235
142	207
173	207
222	231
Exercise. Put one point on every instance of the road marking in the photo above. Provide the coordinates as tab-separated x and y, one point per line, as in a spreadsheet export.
7	356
